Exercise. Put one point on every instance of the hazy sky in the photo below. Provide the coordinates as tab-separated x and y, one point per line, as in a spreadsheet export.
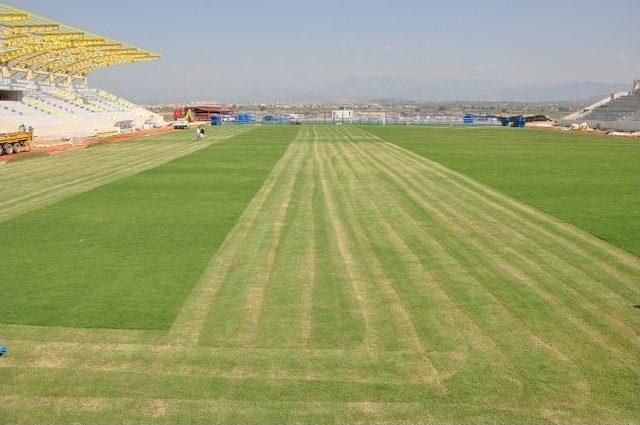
226	49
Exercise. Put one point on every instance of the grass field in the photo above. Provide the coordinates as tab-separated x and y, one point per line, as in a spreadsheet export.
158	229
33	183
322	274
586	180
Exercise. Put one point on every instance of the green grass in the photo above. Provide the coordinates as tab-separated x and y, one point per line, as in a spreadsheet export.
588	181
126	254
40	181
30	156
361	284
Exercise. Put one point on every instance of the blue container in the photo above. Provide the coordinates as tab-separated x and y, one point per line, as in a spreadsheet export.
519	121
522	122
504	121
245	118
216	120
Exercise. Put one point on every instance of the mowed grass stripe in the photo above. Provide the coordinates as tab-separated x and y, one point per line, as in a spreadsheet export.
583	179
285	316
431	309
27	185
598	255
238	363
244	312
570	290
556	326
235	308
356	278
472	349
406	226
461	343
49	166
330	399
13	332
53	382
457	287
126	254
594	250
336	315
395	329
28	176
266	280
74	161
393	326
67	172
85	409
492	239
614	281
600	324
189	324
103	174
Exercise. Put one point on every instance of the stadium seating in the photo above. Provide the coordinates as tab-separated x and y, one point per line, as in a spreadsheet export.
44	75
619	112
65	112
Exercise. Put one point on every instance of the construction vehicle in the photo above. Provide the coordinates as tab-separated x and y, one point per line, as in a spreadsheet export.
11	143
181	124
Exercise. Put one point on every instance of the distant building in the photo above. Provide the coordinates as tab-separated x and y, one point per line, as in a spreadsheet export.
342	115
201	112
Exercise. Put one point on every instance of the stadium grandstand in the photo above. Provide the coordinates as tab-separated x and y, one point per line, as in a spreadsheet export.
44	67
618	112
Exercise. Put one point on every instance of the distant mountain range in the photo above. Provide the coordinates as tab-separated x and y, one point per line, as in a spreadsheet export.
362	89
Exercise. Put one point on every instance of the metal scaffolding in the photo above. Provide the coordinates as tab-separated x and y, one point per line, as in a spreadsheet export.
33	48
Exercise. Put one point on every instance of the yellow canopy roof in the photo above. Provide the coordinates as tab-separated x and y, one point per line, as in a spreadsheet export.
38	44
